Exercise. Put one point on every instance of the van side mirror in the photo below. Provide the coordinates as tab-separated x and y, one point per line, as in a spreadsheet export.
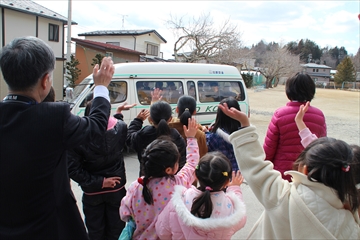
69	94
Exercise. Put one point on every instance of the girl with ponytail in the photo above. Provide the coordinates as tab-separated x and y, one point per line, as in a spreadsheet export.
139	137
214	210
186	108
148	196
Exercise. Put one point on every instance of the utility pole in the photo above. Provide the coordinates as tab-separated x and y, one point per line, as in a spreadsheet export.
123	16
68	41
68	91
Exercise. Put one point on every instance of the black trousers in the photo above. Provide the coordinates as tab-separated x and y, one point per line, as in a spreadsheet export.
102	218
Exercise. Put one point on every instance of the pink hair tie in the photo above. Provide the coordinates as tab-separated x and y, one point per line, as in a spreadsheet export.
345	168
208	188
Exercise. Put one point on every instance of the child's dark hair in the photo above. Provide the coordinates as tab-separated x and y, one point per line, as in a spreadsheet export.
186	106
225	122
356	162
329	161
300	88
87	108
160	113
158	155
51	95
213	172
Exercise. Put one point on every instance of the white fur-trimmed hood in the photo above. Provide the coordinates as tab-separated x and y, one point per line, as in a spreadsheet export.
208	223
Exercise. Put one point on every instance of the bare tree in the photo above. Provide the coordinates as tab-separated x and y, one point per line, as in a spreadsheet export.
278	62
203	39
356	61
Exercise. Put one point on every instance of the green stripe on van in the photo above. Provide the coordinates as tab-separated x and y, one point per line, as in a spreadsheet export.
175	75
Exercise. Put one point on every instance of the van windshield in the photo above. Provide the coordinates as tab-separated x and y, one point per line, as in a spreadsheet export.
81	87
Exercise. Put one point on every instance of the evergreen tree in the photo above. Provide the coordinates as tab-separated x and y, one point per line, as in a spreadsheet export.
248	79
97	59
345	71
72	70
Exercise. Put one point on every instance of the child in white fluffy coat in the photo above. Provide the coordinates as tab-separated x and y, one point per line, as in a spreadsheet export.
206	212
312	206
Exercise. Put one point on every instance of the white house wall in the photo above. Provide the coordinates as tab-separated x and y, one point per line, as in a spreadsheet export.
43	33
1	36
128	41
125	41
18	25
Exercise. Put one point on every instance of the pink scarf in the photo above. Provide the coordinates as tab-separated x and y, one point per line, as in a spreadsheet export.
111	123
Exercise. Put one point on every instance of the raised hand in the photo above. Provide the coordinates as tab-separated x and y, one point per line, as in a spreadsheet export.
111	182
104	74
143	114
235	114
156	95
124	106
299	118
236	179
191	129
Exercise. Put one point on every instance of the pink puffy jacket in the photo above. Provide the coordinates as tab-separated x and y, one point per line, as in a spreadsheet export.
177	222
282	143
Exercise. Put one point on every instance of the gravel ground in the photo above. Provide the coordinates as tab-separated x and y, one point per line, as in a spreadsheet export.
341	109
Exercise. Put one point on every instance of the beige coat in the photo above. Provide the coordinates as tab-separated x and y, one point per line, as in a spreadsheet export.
298	210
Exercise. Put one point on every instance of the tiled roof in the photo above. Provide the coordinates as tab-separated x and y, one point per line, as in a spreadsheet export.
104	46
32	8
121	33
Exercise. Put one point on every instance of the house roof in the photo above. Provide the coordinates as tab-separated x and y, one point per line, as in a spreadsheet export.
121	33
33	8
153	59
314	65
104	46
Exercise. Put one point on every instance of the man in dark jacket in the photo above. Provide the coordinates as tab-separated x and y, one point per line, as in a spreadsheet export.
98	167
36	201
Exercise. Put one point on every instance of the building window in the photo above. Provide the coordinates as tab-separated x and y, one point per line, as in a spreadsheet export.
317	70
53	32
152	50
313	69
114	43
109	54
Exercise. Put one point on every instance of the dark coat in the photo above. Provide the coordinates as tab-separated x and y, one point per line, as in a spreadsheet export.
90	163
139	137
36	201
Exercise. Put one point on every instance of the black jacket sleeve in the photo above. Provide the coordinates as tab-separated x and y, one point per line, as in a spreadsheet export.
132	134
79	130
79	174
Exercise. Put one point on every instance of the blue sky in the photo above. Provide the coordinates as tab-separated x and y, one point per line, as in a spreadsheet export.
327	23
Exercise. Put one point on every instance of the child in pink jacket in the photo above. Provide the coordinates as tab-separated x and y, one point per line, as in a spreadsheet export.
282	143
209	211
148	196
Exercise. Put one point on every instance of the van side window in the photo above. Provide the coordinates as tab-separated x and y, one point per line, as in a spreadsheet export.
143	90
117	92
191	89
171	91
215	91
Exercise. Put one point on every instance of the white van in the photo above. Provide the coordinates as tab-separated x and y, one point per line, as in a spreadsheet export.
133	83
